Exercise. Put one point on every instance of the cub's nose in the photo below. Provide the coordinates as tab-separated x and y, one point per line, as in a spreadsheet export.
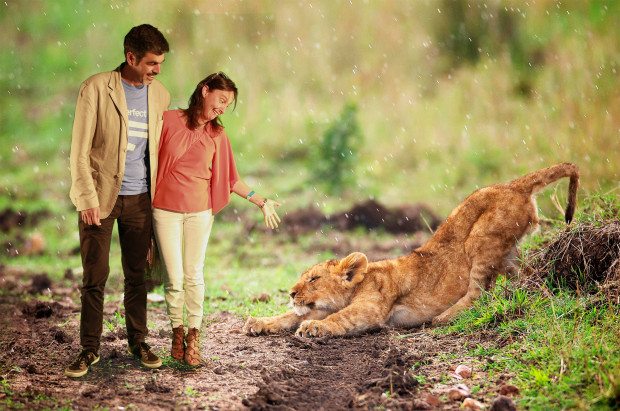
293	294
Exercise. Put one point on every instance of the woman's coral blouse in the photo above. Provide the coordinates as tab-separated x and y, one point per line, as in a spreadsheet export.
196	168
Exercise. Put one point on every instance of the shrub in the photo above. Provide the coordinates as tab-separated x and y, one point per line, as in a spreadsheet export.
336	156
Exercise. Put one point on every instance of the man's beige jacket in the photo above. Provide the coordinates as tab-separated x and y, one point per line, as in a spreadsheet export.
99	140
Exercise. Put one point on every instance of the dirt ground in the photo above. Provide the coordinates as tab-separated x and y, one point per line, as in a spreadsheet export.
388	369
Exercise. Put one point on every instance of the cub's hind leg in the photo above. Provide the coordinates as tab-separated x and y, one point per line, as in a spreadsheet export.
488	254
478	278
510	266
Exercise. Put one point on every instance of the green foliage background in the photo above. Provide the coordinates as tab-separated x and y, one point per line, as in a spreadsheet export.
451	95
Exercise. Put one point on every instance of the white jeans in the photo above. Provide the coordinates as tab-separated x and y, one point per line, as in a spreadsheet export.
182	240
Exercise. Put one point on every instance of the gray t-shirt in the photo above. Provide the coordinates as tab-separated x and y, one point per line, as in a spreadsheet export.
135	180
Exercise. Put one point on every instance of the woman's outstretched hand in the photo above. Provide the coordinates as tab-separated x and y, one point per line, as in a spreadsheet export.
269	212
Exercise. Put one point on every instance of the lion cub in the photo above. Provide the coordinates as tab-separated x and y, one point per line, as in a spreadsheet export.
433	283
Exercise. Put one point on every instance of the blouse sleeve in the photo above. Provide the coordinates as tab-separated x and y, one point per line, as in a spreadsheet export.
224	173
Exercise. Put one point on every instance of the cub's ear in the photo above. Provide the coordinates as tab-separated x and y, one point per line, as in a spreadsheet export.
353	268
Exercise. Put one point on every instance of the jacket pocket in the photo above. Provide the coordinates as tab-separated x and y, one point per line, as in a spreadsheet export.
95	175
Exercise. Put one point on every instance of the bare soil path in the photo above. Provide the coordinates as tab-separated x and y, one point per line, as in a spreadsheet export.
387	369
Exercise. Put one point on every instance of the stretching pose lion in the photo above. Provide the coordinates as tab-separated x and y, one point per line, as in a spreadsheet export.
433	283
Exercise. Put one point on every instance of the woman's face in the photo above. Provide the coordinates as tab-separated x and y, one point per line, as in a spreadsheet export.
215	102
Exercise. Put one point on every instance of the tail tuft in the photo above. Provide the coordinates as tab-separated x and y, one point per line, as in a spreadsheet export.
572	197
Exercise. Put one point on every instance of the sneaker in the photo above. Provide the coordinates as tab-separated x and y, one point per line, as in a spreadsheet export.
80	366
147	357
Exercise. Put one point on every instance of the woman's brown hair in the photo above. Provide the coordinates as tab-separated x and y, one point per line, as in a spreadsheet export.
215	81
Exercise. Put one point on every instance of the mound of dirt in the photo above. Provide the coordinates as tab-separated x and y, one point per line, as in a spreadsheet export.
583	258
41	309
370	215
39	283
304	220
404	219
10	219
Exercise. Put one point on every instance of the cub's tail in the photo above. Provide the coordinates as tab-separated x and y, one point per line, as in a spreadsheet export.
537	180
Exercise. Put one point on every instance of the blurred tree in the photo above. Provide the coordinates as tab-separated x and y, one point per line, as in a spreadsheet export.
466	32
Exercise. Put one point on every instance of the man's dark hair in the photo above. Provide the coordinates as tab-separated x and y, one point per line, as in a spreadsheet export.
144	39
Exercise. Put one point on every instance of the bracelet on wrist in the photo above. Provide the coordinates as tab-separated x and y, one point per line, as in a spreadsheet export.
250	194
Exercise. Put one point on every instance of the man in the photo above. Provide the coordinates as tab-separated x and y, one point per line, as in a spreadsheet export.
118	119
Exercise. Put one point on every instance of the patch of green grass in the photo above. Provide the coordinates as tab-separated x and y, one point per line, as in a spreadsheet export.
190	391
115	322
5	387
597	207
421	379
565	349
169	362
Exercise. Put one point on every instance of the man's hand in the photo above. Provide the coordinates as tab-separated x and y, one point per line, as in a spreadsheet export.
269	211
90	216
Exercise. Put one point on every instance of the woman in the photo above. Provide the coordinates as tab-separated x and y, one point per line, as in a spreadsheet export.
196	175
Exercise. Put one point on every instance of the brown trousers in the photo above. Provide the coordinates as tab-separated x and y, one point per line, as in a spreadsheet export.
133	214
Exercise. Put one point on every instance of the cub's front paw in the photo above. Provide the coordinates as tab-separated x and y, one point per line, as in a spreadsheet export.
441	319
314	328
257	326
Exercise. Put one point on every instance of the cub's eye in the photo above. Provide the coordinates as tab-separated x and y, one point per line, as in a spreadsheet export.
313	279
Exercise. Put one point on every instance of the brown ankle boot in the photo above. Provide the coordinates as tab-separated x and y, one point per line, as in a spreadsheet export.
178	346
192	352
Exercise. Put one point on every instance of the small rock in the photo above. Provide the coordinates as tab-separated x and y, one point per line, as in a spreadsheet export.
263	298
418	404
156	388
218	371
463	371
155	298
503	403
508	389
89	392
61	337
472	404
35	244
431	399
458	392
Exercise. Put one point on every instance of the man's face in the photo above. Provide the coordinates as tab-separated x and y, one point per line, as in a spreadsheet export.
145	70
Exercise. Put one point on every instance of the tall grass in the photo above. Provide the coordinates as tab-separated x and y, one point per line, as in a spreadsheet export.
540	88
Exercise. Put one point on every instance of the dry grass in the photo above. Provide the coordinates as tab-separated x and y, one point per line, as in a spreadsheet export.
584	258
